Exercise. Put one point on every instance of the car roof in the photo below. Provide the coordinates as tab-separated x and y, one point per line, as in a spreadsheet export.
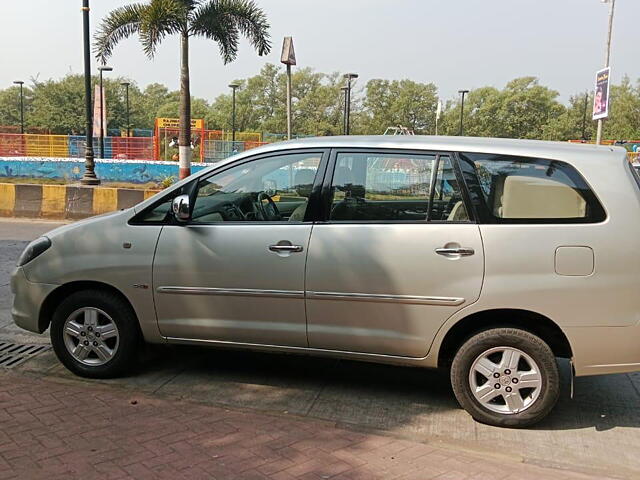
505	146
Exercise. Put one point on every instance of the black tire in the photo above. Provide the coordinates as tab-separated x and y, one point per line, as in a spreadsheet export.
121	314
524	341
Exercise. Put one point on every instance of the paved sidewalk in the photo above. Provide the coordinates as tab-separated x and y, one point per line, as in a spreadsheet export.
55	430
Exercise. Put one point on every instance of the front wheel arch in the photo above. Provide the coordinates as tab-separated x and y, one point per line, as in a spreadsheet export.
54	299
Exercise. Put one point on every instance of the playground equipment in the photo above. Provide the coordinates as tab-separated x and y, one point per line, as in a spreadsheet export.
399	130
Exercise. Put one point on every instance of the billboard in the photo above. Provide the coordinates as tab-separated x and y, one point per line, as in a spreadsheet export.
601	94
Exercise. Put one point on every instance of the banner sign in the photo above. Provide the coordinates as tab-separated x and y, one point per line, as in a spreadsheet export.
196	123
601	94
98	99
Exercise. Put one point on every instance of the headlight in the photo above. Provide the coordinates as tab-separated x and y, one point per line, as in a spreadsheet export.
34	249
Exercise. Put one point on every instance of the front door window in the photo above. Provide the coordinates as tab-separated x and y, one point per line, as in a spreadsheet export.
273	189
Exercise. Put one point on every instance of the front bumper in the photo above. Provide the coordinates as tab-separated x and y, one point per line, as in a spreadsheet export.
27	300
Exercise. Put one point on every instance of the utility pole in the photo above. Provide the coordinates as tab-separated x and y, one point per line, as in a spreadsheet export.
288	57
612	4
89	177
21	83
463	93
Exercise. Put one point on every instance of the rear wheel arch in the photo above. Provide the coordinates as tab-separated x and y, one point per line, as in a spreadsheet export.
54	299
532	322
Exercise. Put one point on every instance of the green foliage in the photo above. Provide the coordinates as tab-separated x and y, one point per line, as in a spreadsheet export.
10	105
404	102
523	109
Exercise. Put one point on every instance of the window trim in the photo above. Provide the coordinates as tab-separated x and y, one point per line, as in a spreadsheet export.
485	217
323	152
330	172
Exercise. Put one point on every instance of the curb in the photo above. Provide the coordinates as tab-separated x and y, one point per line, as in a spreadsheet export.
61	202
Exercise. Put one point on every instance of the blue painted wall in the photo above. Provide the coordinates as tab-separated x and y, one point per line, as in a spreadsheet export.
107	170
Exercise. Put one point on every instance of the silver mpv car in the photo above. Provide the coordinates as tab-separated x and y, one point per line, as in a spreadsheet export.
486	257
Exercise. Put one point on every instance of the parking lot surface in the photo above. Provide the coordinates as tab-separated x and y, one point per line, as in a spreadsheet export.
236	406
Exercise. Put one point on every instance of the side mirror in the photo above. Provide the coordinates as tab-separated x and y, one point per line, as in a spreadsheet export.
180	208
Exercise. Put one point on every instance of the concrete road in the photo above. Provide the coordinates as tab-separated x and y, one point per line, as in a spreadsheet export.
596	432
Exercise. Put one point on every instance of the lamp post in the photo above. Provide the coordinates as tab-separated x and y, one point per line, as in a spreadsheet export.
347	121
102	102
288	57
21	83
344	116
233	86
89	176
462	93
584	117
126	96
607	58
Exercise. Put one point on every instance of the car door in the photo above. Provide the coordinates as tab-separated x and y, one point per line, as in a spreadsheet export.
235	271
397	255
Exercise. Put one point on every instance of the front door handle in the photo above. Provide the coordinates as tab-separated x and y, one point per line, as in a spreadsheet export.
461	251
286	248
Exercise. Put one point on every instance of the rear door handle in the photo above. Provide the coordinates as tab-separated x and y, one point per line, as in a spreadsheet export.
461	251
286	248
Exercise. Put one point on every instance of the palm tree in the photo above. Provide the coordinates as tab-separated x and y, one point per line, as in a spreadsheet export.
222	21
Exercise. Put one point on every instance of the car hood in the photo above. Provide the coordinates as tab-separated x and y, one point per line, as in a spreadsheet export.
82	223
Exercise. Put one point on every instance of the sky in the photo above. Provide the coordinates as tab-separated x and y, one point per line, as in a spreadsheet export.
455	44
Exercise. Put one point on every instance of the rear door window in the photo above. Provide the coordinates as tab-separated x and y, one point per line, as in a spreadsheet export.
531	190
390	187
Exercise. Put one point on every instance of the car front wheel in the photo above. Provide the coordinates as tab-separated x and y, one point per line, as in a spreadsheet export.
506	377
94	334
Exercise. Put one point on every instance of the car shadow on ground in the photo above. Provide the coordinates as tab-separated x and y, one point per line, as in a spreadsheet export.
367	394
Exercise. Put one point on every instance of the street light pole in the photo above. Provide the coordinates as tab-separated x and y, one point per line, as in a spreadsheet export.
102	102
21	83
612	4
288	57
462	93
126	95
89	177
344	116
348	77
234	86
584	117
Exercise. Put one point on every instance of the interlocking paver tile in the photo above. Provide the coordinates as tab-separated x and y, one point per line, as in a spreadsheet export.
93	430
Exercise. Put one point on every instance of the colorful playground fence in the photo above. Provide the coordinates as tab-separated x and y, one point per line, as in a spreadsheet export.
214	147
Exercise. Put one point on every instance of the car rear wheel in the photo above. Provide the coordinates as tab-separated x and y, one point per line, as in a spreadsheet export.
506	377
95	334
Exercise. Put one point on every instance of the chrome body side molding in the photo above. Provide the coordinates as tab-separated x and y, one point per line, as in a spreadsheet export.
360	297
238	292
372	297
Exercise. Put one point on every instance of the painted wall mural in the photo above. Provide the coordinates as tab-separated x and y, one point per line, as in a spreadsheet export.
71	169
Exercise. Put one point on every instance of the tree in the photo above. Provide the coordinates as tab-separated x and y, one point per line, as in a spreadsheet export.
10	106
569	125
624	114
222	21
405	102
520	110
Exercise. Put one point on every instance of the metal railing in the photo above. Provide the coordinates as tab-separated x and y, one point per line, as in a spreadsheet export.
117	148
32	145
216	150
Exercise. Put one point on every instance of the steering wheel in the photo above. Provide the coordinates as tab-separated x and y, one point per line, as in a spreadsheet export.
269	211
